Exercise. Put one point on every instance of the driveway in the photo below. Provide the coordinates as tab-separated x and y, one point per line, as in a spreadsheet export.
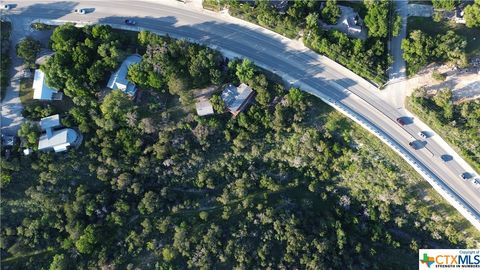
11	112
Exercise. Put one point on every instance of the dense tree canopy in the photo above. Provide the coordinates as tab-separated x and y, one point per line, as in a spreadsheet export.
27	49
472	14
288	183
420	49
377	17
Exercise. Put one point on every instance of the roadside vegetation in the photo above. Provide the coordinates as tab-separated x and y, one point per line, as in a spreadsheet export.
289	183
5	61
369	58
441	40
458	124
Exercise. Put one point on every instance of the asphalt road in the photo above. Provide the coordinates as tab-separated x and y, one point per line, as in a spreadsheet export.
298	65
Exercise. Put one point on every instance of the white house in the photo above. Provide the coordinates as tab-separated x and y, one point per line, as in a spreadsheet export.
57	140
119	80
41	90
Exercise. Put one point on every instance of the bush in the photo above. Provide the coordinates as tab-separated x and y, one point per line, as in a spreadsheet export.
438	76
42	26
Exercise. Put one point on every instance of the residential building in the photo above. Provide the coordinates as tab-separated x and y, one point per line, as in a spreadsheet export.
57	140
119	81
41	90
204	107
237	98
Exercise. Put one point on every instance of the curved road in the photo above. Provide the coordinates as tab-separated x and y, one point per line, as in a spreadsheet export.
296	64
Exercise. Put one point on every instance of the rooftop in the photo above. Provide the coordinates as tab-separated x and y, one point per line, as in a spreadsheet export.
236	97
59	141
40	88
204	107
50	122
119	80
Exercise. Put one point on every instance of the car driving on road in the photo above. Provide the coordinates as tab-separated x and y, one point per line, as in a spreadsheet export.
130	22
422	134
401	121
465	176
80	11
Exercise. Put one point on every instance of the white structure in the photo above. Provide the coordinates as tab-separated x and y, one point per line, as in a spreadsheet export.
204	107
41	90
351	25
119	80
57	140
236	98
48	123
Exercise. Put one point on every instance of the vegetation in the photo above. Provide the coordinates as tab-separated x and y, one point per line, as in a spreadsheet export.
5	57
27	49
377	17
420	49
368	58
431	28
458	124
331	12
279	186
42	26
448	5
438	76
472	14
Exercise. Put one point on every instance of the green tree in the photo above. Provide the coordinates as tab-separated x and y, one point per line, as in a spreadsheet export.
472	14
59	262
377	17
27	49
397	25
417	49
30	132
217	103
87	241
444	4
331	12
245	71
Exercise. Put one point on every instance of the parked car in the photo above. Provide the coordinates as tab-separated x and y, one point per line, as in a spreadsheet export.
80	11
401	121
6	7
422	134
130	22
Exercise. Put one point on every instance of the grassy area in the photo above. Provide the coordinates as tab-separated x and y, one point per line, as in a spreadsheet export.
26	91
427	25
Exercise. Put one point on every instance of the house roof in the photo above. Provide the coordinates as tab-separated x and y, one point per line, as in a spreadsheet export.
59	140
40	88
204	107
234	97
50	122
119	80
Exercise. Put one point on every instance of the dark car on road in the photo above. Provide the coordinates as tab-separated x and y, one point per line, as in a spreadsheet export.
465	176
401	121
130	22
446	157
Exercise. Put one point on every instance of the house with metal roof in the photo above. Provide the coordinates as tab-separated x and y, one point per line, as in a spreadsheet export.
56	140
237	98
118	80
41	90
